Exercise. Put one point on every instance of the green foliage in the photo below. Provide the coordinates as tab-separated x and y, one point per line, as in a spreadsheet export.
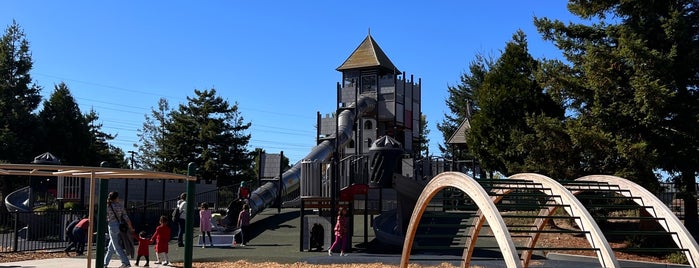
461	104
19	97
507	97
151	137
678	258
73	206
209	132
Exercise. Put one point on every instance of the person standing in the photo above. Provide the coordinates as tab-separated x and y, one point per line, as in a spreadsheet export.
182	206
161	239
115	214
340	232
78	231
243	192
143	251
244	223
205	224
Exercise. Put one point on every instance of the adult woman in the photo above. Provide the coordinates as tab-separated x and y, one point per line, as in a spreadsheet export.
182	206
115	214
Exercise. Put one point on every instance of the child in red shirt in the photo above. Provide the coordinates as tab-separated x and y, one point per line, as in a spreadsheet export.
143	251
161	239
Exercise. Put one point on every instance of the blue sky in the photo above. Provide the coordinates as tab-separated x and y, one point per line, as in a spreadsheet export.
277	59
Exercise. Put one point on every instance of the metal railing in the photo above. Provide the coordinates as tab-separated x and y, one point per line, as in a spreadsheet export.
45	230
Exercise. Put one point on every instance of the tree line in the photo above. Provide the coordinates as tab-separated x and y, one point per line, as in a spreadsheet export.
623	100
207	130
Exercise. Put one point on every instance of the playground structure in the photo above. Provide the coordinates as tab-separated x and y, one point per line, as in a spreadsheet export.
557	195
362	148
365	159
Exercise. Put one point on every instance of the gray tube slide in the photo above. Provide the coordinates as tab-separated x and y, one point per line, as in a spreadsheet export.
18	200
264	196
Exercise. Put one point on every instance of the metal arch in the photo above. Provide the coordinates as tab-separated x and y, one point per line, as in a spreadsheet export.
673	224
584	220
470	187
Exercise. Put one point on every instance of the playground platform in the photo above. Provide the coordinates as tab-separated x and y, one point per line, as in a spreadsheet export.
277	240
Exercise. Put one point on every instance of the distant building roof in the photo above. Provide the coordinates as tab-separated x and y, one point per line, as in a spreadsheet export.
368	54
459	136
46	158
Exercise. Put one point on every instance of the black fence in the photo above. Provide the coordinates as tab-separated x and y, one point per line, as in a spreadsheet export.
44	230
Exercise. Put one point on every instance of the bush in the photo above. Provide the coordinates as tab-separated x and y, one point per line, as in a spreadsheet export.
73	206
678	258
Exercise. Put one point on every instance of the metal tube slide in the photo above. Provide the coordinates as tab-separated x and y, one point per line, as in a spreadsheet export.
264	196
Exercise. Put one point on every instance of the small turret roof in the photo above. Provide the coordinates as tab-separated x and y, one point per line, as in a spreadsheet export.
368	54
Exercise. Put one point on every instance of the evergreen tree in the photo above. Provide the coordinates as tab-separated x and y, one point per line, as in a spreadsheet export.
151	137
421	148
65	132
507	97
211	133
461	104
19	98
100	148
631	87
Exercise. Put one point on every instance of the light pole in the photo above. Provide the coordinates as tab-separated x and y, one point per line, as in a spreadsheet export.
126	182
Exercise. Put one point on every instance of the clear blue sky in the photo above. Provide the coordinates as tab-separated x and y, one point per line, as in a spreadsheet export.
277	59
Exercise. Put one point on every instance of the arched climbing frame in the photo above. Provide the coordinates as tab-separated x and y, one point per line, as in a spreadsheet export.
656	208
584	220
479	196
562	197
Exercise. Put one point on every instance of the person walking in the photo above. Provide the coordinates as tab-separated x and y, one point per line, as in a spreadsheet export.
161	238
143	250
78	229
115	215
182	206
340	233
244	224
205	224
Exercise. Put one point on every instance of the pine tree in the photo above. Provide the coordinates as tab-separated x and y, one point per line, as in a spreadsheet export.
19	97
151	137
211	133
508	96
461	103
65	132
631	86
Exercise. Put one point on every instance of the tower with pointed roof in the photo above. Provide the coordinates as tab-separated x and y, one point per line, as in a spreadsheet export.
369	71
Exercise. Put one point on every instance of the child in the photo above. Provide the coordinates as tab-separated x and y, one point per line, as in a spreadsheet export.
161	239
340	232
143	251
205	224
244	223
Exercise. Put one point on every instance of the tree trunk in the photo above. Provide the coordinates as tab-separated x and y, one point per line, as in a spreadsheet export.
691	219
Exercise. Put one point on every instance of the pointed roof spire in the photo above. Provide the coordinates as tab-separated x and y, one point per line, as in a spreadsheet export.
368	54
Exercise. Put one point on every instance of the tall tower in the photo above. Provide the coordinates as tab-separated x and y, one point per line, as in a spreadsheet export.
368	71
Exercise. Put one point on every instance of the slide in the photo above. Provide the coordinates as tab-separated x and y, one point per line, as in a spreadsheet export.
18	201
267	193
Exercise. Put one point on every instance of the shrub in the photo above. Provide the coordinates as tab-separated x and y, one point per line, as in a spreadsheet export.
678	258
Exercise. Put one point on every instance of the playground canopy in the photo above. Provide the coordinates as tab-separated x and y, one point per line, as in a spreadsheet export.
91	173
87	172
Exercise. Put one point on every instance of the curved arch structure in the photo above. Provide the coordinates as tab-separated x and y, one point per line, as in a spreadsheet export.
656	208
562	196
470	187
583	218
